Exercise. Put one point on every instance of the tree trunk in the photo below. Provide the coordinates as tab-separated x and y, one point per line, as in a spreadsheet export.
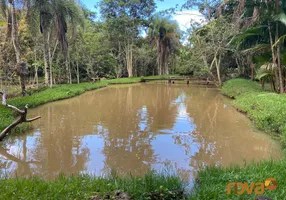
280	71
51	61
77	72
47	56
250	63
262	84
159	57
68	70
273	55
129	59
164	58
252	71
276	81
273	85
15	40
36	79
218	70
70	74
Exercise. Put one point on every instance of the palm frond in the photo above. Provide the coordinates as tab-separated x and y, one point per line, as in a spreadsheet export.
264	75
258	48
269	67
282	18
246	34
280	40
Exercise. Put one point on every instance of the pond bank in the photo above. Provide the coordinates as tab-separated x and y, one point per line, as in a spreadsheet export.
267	111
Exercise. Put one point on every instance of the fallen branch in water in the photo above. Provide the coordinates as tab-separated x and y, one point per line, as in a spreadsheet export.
22	113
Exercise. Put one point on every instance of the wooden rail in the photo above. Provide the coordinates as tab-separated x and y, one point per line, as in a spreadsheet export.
94	79
187	79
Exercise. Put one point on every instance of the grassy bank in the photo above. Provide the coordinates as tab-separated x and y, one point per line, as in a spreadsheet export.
267	111
151	186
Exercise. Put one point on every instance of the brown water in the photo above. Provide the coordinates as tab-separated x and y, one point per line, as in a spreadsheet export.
135	128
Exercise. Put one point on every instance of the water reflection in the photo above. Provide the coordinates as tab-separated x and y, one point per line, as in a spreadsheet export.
135	128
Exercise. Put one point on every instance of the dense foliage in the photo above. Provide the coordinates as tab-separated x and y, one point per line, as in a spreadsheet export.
239	37
64	42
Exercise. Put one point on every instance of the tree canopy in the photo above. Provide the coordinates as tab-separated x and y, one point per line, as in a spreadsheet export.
63	42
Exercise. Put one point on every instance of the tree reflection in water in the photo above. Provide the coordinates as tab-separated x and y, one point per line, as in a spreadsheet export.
132	129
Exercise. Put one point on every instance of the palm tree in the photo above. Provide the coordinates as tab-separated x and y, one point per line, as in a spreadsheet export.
265	13
267	73
54	15
164	33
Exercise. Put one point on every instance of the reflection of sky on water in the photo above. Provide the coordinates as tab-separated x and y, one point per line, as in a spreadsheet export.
133	129
172	153
167	150
95	143
143	113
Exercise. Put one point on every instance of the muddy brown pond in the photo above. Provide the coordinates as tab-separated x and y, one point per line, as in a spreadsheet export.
133	129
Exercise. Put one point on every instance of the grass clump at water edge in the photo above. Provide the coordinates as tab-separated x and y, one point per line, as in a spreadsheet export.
151	186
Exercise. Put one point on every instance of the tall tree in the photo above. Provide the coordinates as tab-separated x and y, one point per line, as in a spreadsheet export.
53	16
124	19
165	34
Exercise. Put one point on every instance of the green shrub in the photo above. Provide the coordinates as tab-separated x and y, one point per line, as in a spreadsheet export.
236	87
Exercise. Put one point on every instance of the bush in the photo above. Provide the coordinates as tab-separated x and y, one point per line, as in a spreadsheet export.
235	87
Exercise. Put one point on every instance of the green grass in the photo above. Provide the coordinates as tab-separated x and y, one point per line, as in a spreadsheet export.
235	87
268	111
124	80
213	181
85	186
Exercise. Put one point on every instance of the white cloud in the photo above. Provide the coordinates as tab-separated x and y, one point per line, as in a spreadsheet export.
184	18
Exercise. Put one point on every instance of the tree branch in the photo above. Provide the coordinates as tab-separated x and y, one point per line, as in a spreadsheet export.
33	119
23	116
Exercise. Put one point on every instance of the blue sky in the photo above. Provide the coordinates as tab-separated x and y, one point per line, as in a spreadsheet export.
182	17
160	5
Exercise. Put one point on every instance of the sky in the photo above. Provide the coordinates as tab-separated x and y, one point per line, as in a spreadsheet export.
182	17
